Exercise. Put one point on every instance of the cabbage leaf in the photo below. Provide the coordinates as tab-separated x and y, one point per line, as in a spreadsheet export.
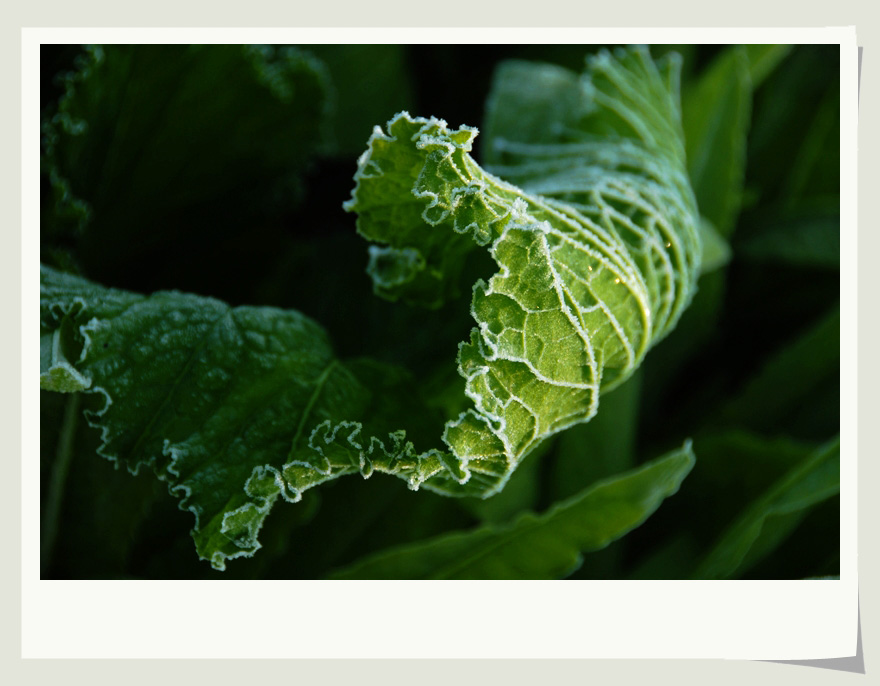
598	246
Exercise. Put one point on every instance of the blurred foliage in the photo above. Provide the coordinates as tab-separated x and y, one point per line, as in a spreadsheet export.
195	169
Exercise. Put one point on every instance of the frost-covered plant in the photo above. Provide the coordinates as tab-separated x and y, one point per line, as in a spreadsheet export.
585	206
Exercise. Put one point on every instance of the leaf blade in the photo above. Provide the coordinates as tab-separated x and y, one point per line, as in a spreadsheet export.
586	522
751	536
716	112
216	400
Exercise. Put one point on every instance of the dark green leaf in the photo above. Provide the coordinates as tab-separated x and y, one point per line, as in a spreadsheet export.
807	238
766	523
92	513
370	83
793	101
789	378
605	446
182	145
544	546
716	112
763	60
232	407
815	172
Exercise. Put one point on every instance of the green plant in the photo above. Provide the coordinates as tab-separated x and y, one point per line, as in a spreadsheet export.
576	248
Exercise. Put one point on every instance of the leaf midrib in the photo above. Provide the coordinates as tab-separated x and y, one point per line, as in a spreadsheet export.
175	385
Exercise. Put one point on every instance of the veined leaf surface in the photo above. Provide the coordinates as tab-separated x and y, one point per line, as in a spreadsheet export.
597	246
233	407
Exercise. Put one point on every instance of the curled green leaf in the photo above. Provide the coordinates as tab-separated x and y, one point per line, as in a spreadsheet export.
597	248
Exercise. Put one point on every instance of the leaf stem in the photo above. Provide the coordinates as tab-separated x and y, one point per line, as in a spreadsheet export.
55	496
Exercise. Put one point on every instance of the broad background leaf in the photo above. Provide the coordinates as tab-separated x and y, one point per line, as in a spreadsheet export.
182	145
544	546
768	521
